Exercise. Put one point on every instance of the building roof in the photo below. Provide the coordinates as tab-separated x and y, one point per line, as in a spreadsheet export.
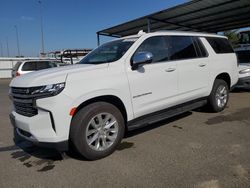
197	15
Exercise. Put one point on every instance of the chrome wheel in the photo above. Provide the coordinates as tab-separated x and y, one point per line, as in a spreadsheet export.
102	131
221	96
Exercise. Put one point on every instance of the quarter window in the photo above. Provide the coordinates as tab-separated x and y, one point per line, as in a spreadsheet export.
220	45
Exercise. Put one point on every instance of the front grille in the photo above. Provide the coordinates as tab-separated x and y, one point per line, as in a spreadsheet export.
23	101
24	92
20	91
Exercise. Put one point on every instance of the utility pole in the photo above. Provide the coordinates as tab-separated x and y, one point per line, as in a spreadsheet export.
17	42
41	22
7	46
1	46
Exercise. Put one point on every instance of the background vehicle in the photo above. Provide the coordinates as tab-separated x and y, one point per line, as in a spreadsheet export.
243	54
122	85
24	67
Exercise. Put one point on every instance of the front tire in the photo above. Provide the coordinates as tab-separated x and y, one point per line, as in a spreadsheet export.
96	130
218	99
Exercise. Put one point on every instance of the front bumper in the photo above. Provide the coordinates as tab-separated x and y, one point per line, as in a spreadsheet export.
38	130
49	125
243	82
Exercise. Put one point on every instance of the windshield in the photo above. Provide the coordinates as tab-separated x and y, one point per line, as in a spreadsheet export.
243	56
109	52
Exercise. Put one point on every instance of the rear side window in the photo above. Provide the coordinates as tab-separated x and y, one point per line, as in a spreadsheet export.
52	64
45	65
157	46
42	65
181	47
29	66
220	45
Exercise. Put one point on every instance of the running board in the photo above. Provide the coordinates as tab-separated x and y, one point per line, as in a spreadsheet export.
165	114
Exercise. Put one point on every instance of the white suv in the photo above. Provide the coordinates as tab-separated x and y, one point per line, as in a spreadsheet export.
24	67
243	54
123	85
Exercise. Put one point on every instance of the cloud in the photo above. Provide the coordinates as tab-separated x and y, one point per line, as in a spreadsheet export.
27	18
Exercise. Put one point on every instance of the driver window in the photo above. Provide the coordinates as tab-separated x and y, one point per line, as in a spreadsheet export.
157	46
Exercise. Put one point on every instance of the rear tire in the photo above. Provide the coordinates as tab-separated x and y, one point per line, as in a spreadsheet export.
218	99
96	130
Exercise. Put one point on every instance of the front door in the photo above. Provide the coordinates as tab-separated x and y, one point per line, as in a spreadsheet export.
153	86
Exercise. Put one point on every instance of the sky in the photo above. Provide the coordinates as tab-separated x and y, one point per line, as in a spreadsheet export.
66	23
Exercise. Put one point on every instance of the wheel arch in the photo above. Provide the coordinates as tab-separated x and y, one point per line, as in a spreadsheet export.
226	77
112	99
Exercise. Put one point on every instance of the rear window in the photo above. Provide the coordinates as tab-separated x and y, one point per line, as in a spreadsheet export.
17	65
29	66
243	56
220	45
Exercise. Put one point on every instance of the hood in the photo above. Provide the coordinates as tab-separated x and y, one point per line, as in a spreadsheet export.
52	75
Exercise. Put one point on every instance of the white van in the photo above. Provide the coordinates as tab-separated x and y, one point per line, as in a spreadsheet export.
122	85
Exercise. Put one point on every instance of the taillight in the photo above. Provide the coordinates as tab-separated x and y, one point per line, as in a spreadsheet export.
18	74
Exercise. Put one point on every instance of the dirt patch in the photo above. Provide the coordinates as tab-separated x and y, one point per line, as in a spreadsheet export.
208	184
241	115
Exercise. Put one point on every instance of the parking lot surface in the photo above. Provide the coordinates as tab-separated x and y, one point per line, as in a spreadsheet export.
197	149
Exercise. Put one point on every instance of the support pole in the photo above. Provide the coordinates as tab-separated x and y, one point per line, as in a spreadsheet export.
41	23
7	47
98	39
149	25
1	47
17	42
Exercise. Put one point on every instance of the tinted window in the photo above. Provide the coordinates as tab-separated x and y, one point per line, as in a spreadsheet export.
29	66
181	47
108	52
243	56
220	45
200	49
17	65
45	65
157	46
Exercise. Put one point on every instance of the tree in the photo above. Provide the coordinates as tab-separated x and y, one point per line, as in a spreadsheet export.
232	36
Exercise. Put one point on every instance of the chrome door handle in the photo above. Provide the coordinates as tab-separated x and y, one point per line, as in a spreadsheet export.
202	65
170	69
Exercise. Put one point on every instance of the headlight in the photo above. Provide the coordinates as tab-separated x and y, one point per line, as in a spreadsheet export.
245	71
48	90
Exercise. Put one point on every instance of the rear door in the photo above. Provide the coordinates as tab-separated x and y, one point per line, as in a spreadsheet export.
192	62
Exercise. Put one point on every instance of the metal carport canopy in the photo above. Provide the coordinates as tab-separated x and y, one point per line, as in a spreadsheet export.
198	15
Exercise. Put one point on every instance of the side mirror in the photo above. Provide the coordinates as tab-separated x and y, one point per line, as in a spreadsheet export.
141	58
